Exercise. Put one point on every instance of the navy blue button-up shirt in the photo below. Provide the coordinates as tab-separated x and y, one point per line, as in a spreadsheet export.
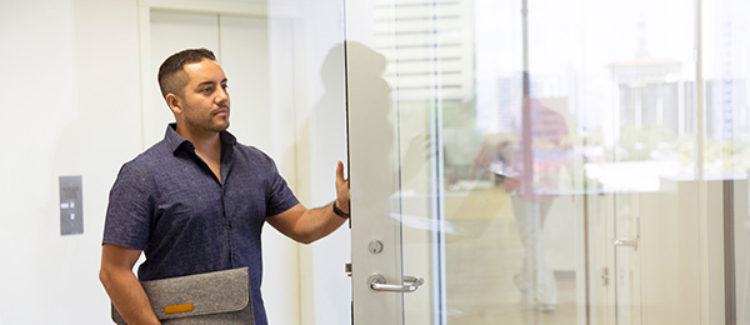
169	204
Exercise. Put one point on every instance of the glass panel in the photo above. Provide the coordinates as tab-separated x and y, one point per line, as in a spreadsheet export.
552	163
726	71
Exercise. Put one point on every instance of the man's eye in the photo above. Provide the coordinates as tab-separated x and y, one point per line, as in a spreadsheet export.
206	90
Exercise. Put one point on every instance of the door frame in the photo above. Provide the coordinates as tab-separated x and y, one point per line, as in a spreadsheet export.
255	9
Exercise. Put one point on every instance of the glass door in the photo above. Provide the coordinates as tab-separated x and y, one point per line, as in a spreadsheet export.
526	162
395	101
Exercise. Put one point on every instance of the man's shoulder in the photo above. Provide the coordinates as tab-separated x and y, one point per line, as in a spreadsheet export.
148	160
253	154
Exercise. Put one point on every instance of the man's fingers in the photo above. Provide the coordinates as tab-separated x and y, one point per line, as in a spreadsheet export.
341	182
340	172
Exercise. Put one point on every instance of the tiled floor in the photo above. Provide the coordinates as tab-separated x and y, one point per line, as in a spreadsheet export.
481	261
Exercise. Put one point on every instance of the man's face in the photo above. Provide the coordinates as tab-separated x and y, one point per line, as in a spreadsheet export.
206	101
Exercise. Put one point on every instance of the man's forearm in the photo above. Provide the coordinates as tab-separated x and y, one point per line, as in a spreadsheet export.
128	297
318	223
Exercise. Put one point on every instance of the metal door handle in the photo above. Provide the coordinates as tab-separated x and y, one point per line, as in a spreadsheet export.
627	243
410	284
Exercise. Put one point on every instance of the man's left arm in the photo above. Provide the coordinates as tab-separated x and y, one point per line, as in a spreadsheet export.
308	225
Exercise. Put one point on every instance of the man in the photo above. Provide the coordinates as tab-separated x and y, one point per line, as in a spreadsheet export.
196	201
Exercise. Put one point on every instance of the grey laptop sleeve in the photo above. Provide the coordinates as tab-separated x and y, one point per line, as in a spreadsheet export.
221	298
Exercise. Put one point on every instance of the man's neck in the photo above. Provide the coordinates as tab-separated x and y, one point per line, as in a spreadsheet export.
207	146
207	143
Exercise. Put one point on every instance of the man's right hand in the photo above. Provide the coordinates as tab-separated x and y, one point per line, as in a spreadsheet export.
116	274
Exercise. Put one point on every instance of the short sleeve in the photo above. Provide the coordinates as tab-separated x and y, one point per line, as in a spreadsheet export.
129	213
279	196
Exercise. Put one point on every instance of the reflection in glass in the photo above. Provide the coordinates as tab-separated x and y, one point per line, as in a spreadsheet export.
559	159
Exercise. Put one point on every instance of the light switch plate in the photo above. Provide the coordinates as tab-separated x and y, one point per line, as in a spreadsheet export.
71	205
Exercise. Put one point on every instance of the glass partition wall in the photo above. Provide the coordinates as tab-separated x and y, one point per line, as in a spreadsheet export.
726	68
550	162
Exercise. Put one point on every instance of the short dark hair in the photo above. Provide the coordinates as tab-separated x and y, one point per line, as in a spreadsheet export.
172	76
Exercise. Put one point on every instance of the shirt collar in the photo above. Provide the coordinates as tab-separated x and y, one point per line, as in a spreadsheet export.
175	140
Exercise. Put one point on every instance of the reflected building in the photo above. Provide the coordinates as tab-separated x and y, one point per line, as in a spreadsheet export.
649	93
726	108
654	92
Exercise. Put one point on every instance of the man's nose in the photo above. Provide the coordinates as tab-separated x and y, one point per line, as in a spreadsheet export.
222	96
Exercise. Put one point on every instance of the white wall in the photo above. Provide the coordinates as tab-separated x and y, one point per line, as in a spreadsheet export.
71	107
71	96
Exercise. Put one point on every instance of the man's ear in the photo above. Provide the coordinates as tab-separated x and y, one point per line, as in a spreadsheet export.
175	103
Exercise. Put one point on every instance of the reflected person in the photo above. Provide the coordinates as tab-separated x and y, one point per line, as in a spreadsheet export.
529	170
196	201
